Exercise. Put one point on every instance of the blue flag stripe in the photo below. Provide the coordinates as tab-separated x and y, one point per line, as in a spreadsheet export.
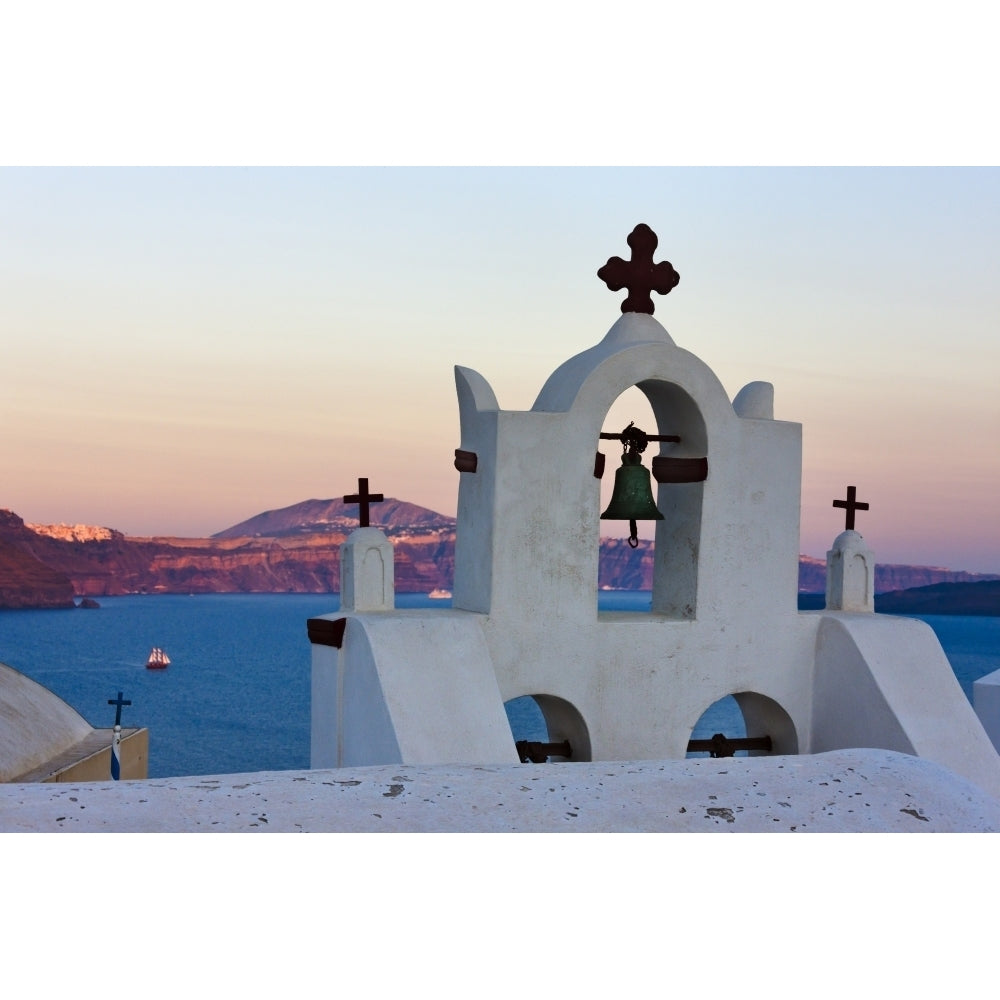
116	767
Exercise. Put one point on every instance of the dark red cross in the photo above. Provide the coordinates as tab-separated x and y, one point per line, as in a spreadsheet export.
851	505
363	498
639	275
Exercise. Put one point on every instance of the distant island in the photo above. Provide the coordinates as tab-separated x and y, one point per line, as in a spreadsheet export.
979	598
296	549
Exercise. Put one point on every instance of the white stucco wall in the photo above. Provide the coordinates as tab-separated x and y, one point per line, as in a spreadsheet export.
986	702
850	574
417	687
529	518
726	576
367	573
884	681
35	724
412	687
864	791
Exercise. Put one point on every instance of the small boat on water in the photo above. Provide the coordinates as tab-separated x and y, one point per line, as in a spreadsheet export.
158	660
439	595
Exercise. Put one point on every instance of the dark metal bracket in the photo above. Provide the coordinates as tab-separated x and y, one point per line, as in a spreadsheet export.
722	746
679	470
539	753
323	632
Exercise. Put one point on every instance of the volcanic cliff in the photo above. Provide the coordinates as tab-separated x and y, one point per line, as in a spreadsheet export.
297	550
26	581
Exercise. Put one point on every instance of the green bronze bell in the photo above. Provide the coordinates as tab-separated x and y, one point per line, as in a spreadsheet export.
632	499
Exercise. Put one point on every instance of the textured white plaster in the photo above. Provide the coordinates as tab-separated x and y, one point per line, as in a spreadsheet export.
367	572
423	686
417	687
847	791
884	681
635	328
35	724
725	578
986	702
755	401
325	699
850	574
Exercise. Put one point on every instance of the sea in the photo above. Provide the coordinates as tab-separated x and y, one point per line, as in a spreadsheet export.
235	697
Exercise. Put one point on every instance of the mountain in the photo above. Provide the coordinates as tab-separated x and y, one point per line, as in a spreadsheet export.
980	598
282	555
334	516
888	577
297	550
25	581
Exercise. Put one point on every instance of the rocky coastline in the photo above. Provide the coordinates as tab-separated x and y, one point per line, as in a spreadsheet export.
297	550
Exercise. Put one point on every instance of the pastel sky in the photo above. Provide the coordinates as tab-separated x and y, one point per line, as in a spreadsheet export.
184	348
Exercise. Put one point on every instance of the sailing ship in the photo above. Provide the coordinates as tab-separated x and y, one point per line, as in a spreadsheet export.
158	660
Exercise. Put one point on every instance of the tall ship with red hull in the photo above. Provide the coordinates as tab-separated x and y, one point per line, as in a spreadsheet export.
158	660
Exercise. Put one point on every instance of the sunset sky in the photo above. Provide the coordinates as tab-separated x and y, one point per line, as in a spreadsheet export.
184	347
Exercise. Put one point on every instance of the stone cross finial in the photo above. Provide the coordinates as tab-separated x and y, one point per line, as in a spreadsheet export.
639	275
850	505
118	703
363	498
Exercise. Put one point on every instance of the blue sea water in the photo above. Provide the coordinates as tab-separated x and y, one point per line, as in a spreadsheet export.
241	664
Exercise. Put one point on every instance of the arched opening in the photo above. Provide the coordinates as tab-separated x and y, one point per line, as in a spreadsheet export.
722	716
625	574
681	469
526	719
666	561
550	721
764	716
747	714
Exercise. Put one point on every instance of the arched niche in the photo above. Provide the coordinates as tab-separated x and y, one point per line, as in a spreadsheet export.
526	719
765	717
722	716
747	713
549	719
679	469
617	560
678	535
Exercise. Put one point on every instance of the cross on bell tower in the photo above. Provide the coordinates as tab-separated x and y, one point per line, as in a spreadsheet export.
639	275
363	498
850	505
850	565
367	578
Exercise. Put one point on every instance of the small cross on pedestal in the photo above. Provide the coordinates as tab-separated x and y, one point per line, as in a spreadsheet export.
850	505
116	739
363	498
118	703
639	275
